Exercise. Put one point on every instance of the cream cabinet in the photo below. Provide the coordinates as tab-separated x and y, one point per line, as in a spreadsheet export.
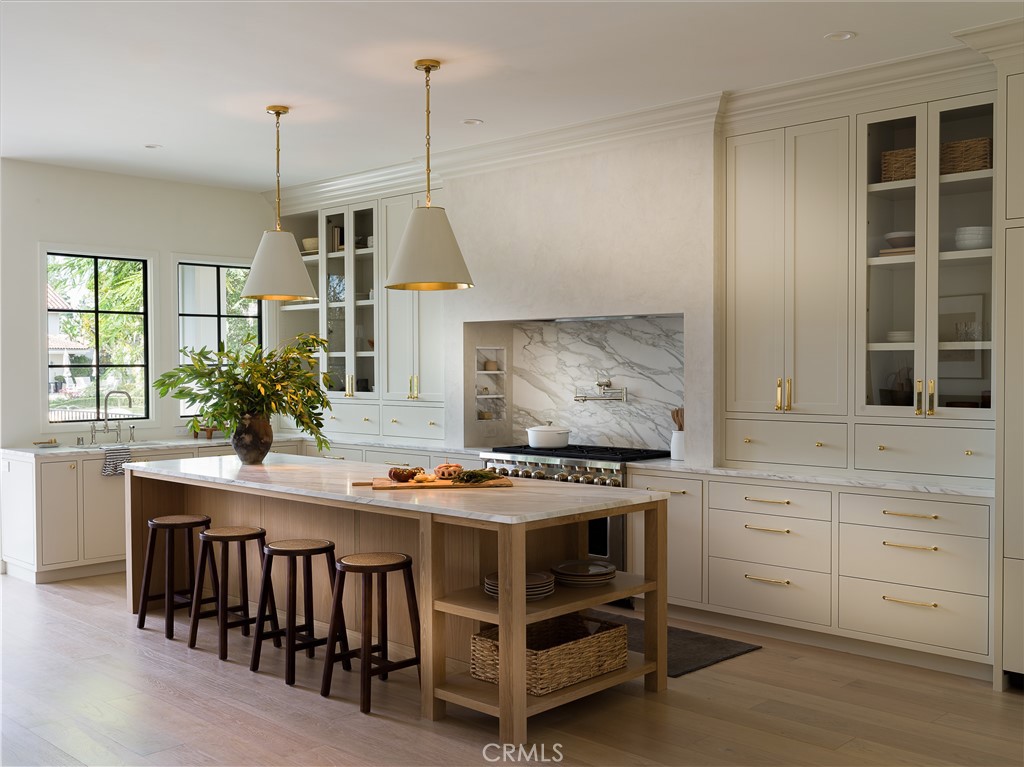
1013	615
925	257
1014	146
685	535
413	338
807	443
787	250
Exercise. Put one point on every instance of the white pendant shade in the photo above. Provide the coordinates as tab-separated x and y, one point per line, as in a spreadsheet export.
278	272
428	257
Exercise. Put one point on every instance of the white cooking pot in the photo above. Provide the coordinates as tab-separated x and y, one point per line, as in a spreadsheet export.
548	436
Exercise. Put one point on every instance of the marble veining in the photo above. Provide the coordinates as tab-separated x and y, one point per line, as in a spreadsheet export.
679	468
643	354
304	476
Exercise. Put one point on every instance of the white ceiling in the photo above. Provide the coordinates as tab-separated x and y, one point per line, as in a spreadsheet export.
88	84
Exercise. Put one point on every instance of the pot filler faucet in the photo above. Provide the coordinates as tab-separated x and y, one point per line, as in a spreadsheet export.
106	417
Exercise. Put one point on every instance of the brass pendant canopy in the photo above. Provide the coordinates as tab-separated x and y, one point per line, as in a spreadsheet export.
429	257
278	272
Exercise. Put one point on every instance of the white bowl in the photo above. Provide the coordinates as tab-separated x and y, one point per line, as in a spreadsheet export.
973	229
973	242
547	436
310	243
900	239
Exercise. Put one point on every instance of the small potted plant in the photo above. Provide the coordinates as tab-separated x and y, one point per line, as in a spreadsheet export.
238	391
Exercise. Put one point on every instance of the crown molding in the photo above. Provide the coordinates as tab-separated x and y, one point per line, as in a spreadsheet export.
878	86
1002	40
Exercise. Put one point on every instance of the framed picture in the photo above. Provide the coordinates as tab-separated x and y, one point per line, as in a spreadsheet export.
954	311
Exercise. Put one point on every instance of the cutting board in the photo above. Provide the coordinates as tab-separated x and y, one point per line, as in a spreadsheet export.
382	483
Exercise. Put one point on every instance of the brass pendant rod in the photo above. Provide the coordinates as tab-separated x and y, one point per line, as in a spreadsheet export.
427	71
277	111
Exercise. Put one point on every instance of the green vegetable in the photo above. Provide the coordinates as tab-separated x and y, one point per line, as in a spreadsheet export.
475	476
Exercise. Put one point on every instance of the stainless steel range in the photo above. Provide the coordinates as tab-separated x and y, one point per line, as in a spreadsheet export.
582	464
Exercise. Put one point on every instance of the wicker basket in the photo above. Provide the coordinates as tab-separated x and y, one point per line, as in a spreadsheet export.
963	156
559	652
899	164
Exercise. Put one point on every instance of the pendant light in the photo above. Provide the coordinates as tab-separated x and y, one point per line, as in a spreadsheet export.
428	257
278	272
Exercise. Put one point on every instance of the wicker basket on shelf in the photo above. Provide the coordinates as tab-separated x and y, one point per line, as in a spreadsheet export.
962	156
899	164
559	652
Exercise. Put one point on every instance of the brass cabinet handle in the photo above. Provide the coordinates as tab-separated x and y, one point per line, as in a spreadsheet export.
673	492
910	546
881	448
785	501
758	578
819	444
350	385
778	394
908	514
931	397
789	394
919	397
414	388
394	463
431	423
746	440
768	529
909	602
365	419
968	452
395	420
73	466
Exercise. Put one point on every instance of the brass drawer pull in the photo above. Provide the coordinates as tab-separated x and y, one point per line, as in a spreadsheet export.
968	452
431	423
394	463
784	502
759	579
778	394
908	514
819	444
881	448
394	420
365	419
746	440
919	397
909	602
768	529
910	546
672	492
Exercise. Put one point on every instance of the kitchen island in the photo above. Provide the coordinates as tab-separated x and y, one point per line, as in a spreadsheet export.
458	535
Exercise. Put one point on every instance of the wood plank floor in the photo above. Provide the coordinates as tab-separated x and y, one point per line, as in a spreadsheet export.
82	685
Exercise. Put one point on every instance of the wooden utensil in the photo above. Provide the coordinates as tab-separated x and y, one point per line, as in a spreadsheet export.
677	418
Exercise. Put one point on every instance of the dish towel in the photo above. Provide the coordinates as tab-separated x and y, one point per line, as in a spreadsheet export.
114	459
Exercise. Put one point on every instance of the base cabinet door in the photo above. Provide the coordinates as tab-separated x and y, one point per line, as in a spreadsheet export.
1013	615
59	512
685	538
103	512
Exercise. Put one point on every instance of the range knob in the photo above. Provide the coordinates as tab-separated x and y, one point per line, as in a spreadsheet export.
586	479
614	482
514	472
503	471
562	476
574	477
539	474
599	480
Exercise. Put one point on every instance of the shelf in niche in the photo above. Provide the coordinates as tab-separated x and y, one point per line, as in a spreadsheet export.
491	372
490	396
894	190
969	181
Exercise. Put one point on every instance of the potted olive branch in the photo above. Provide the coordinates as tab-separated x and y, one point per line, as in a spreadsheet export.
237	391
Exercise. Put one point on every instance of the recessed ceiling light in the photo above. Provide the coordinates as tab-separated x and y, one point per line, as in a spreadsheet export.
472	121
154	146
841	36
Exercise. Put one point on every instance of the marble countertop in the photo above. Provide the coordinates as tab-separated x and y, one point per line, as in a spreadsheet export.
983	488
140	446
527	501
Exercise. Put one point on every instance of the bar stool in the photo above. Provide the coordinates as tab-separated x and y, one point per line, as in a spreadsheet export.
173	599
225	536
373	658
296	637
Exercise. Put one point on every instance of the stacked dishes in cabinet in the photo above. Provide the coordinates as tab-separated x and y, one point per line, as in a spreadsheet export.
538	585
583	573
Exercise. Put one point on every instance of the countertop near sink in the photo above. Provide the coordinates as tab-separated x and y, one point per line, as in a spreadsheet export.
140	447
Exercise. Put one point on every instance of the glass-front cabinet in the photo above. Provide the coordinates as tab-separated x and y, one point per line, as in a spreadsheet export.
924	324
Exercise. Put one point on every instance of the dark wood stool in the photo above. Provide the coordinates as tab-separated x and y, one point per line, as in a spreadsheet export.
373	658
225	536
299	637
173	600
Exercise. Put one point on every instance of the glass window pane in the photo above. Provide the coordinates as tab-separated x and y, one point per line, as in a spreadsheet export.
234	282
236	329
129	379
71	394
121	285
197	332
197	289
70	282
122	339
69	333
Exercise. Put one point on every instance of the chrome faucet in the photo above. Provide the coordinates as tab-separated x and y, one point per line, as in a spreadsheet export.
106	411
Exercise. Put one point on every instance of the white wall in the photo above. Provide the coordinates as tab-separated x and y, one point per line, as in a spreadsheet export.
627	230
104	212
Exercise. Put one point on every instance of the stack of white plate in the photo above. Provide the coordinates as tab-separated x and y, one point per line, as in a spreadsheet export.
538	585
584	572
973	237
900	336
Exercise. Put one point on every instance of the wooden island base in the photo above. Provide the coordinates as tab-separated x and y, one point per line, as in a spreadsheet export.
456	541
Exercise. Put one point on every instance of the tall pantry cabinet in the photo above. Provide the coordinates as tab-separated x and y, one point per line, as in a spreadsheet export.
788	243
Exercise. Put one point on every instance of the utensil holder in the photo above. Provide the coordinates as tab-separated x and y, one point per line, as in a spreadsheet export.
677	446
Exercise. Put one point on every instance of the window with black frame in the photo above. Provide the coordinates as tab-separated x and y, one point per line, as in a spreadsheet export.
97	338
212	312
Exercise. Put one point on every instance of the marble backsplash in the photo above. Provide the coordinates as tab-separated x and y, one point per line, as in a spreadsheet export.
644	354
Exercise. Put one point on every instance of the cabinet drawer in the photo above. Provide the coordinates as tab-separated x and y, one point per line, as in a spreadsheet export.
767	499
422	422
397	458
925	450
933	560
799	442
337	453
785	541
956	621
798	594
353	419
685	535
915	514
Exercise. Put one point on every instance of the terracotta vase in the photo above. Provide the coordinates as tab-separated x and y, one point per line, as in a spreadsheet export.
252	439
